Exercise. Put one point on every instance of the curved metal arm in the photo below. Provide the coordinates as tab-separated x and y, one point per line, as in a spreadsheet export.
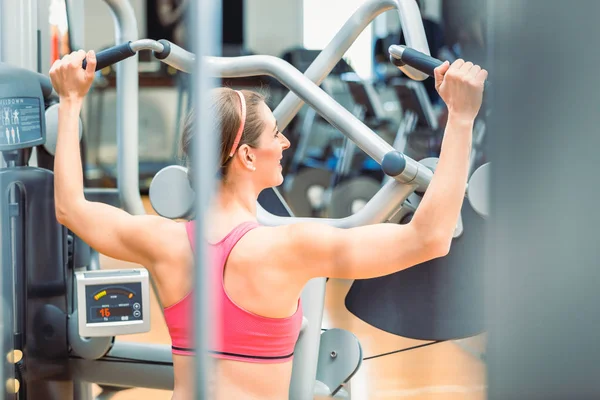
163	50
147	44
412	26
152	367
128	179
386	202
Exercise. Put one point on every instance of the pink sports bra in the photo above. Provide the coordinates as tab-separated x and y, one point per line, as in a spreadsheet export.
239	334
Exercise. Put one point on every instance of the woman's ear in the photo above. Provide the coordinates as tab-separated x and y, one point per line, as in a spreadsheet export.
247	157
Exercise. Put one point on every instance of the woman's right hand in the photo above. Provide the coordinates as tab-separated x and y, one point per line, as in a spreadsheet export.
69	79
461	86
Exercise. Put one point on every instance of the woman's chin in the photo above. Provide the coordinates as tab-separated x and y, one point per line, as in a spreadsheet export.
279	180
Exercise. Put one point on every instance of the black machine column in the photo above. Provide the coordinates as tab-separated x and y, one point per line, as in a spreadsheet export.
34	246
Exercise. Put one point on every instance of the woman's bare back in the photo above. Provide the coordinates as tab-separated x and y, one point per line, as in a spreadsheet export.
256	285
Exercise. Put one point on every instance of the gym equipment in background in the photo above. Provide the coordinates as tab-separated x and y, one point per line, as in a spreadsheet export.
358	177
158	125
315	173
309	164
354	182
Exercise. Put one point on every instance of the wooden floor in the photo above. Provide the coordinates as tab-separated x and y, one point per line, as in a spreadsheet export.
443	371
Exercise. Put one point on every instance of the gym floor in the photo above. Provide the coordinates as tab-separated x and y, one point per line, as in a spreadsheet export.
441	371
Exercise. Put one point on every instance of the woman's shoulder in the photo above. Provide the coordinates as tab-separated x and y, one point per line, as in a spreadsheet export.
273	240
175	236
177	265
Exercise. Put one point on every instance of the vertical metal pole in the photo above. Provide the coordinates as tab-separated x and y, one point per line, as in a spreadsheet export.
2	35
128	177
19	33
205	26
83	390
306	351
43	15
76	15
4	330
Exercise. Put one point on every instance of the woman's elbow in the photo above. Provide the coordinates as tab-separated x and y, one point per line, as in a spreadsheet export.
62	215
66	212
443	248
437	245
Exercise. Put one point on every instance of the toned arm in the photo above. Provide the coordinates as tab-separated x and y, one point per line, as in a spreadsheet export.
109	230
310	250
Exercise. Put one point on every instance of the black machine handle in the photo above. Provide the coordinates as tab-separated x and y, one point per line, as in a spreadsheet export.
402	55
112	56
414	58
420	61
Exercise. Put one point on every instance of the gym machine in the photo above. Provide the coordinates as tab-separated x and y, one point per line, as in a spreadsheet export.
337	183
448	290
61	317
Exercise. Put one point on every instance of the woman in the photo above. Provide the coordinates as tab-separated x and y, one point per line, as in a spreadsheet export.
259	271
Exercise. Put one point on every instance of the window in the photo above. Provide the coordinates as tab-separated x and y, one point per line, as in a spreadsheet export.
323	19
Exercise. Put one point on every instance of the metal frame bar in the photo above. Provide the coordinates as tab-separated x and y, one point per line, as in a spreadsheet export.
126	30
414	32
206	37
123	373
76	16
19	20
43	14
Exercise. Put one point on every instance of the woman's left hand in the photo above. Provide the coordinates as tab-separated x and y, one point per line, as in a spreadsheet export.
68	77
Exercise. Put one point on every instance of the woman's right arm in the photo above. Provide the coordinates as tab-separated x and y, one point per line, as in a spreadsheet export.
316	250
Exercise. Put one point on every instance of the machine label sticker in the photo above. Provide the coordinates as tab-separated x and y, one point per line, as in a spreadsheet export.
19	120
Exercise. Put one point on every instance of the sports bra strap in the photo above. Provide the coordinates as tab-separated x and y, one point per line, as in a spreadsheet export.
236	233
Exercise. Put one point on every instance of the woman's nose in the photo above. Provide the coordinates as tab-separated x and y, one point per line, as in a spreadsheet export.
286	142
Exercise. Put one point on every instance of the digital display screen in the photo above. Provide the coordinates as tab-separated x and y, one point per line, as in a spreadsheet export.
20	121
114	302
106	312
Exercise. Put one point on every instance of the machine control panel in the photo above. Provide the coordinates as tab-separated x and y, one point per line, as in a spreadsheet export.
113	302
